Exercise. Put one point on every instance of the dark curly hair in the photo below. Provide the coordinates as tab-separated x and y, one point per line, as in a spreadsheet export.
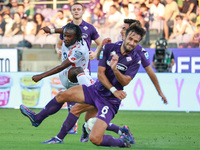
76	29
135	27
34	17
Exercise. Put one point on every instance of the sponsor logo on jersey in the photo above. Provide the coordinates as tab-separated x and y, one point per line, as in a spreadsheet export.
73	58
113	53
128	58
78	54
143	50
65	55
101	55
84	35
85	27
146	55
120	66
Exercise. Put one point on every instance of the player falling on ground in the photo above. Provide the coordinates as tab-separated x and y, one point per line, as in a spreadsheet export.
105	94
80	108
74	54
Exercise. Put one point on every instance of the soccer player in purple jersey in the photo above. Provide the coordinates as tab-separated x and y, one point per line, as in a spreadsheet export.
88	30
144	59
89	33
116	69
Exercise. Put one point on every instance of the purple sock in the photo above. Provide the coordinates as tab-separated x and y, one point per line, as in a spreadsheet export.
70	105
108	140
67	125
51	108
113	127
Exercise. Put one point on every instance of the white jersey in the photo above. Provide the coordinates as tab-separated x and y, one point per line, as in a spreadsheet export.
78	54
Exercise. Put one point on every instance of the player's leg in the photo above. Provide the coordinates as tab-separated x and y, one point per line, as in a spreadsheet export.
69	122
106	112
74	94
111	127
97	136
89	114
77	75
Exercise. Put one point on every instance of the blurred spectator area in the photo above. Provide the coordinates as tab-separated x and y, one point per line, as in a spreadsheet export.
99	13
46	3
48	42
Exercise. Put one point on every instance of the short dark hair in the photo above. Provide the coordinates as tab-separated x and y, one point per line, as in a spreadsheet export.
25	18
179	16
114	6
77	4
76	29
130	21
20	5
60	11
137	29
125	6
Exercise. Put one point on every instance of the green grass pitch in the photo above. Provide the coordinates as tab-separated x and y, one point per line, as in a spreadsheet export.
152	130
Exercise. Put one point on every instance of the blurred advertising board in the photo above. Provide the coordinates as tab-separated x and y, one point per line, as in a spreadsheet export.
8	60
181	90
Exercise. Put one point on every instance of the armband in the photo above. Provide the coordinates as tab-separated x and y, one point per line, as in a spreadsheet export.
113	89
52	31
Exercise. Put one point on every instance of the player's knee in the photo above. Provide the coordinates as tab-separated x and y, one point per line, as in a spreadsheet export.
95	140
60	97
76	110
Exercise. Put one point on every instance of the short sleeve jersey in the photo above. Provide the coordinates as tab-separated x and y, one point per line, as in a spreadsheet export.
142	53
173	6
89	33
127	64
77	54
186	5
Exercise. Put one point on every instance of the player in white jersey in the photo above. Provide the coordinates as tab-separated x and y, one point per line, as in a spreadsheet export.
75	57
79	56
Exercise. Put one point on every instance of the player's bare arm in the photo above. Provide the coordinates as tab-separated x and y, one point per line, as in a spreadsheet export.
123	79
55	70
104	80
93	55
154	79
46	29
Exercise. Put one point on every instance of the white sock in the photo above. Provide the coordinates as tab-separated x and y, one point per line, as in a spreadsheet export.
119	132
83	79
58	138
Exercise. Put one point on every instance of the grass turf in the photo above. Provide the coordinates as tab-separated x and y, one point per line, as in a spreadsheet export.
152	130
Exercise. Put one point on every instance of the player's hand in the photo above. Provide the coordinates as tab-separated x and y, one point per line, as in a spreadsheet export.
92	55
120	94
163	98
114	61
46	29
106	40
36	78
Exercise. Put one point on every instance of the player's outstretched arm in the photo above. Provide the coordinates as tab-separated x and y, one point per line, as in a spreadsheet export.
154	79
55	70
46	29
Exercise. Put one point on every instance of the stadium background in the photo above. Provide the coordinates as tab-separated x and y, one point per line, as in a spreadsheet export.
177	129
